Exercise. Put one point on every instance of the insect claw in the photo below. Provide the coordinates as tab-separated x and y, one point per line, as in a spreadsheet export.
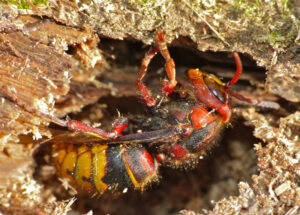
118	112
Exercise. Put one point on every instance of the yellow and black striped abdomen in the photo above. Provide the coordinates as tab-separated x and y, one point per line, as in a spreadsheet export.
98	168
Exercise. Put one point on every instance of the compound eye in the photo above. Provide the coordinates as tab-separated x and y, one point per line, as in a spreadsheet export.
215	88
194	74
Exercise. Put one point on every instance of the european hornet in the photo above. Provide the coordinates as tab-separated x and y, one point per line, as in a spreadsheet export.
184	124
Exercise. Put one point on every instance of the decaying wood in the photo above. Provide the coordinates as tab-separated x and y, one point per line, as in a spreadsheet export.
36	69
